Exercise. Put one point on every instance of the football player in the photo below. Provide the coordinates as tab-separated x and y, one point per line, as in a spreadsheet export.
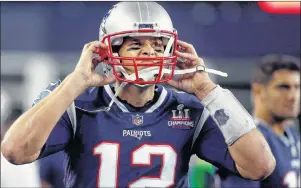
276	97
138	133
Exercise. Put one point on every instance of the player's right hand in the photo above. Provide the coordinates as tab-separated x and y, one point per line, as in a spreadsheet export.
85	69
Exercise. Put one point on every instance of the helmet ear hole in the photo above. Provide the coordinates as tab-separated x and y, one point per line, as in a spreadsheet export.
117	41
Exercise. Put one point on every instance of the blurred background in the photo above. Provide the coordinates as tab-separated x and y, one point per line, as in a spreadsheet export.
42	41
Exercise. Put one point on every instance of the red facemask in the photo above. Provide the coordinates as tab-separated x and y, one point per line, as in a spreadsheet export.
168	61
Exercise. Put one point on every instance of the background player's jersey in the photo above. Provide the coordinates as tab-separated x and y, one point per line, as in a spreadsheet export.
286	150
136	147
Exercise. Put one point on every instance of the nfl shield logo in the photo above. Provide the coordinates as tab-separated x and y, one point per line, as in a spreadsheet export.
137	119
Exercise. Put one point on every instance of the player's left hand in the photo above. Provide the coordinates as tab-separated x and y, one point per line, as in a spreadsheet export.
198	83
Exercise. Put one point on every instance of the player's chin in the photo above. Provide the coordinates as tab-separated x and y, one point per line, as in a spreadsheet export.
287	115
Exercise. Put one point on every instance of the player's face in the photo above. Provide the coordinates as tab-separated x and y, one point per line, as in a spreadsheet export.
141	47
282	94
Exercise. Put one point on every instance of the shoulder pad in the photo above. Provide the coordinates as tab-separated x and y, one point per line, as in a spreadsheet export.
46	91
186	99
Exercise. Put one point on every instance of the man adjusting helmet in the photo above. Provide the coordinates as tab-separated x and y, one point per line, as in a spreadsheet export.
139	133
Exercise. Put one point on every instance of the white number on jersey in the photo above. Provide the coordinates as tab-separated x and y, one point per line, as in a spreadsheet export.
291	180
109	164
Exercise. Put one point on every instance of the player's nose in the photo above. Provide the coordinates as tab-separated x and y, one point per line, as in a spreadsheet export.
147	51
293	94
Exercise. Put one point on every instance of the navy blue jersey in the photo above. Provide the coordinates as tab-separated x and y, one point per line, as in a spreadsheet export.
52	169
136	147
286	150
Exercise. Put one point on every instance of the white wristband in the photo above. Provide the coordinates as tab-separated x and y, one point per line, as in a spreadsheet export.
231	117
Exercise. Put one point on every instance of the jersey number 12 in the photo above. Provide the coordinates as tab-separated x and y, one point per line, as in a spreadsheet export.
109	157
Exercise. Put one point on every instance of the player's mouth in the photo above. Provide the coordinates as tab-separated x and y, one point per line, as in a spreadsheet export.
290	107
147	62
153	79
140	79
144	64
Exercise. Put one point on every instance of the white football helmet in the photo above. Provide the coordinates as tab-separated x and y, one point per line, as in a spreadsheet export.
132	19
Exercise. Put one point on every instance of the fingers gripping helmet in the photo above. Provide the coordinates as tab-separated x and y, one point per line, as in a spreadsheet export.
132	19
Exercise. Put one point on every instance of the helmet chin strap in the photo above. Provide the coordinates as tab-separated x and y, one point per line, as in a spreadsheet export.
148	74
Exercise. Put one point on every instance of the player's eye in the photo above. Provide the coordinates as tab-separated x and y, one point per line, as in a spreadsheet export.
159	50
284	87
158	47
135	46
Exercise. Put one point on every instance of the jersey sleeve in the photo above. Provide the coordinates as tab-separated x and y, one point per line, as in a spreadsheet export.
209	144
63	131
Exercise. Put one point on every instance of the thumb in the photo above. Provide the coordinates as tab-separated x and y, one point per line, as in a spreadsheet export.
108	79
100	80
173	83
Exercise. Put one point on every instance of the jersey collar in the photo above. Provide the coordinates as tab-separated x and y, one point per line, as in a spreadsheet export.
126	108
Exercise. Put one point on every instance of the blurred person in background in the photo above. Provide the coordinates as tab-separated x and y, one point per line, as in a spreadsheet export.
26	175
117	136
276	99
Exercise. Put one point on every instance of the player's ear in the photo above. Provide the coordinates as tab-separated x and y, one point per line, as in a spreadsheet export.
256	89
